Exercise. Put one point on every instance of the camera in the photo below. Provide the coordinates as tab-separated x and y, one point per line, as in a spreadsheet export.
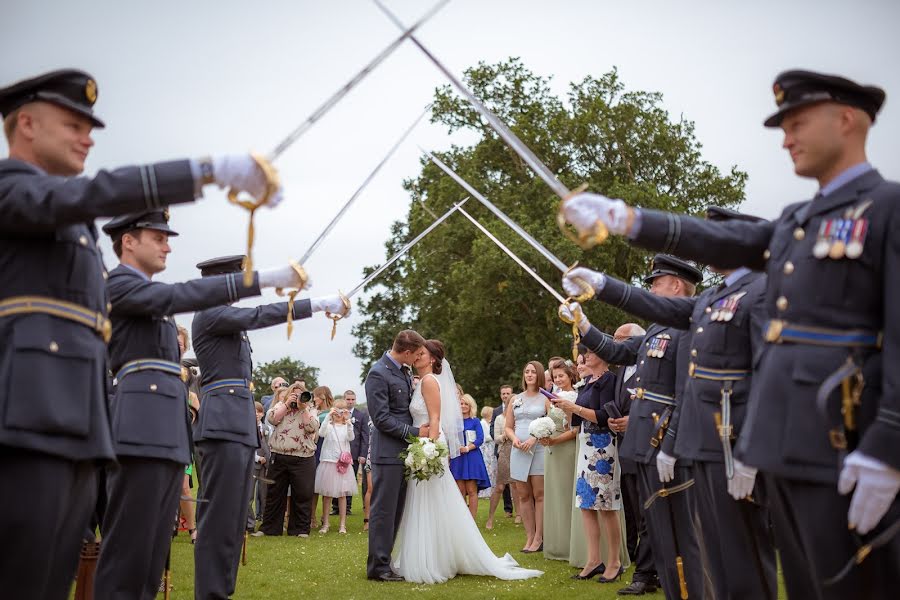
305	397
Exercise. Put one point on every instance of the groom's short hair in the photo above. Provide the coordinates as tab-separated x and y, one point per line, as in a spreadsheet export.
408	341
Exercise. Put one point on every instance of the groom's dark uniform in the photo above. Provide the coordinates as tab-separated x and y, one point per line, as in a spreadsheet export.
388	394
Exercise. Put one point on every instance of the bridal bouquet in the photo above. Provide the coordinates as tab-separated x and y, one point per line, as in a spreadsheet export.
542	427
559	418
423	458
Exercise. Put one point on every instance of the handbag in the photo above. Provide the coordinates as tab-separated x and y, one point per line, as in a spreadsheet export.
345	459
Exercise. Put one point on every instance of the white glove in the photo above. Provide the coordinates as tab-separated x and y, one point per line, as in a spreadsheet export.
876	485
593	278
665	464
241	172
585	209
567	313
332	304
741	485
280	277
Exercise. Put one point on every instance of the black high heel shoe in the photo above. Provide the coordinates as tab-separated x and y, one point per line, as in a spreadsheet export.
594	572
603	579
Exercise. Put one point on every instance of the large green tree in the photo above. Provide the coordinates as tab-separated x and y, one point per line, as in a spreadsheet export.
288	368
456	285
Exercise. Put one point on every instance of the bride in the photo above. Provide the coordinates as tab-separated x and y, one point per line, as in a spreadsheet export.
438	539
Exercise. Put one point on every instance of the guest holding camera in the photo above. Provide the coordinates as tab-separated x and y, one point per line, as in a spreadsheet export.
292	462
334	475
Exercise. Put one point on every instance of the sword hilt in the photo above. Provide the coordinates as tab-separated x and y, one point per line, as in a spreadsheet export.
251	204
337	317
585	241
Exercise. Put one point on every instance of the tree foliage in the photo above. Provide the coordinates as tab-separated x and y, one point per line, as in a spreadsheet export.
288	368
457	286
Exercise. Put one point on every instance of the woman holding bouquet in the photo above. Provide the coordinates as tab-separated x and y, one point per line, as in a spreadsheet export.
526	462
597	478
468	468
559	484
438	539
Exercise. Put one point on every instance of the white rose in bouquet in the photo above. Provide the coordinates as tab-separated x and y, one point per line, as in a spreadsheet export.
429	450
542	427
559	418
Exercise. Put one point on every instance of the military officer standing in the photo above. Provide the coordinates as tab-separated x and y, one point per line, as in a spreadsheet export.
54	315
226	432
664	484
151	434
726	324
824	417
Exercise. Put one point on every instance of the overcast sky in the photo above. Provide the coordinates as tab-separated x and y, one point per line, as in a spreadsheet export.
184	79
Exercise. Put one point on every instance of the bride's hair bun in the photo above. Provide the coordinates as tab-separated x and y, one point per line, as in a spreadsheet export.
436	349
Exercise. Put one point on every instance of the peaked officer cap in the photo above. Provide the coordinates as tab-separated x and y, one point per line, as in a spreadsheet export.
793	89
148	219
666	264
222	265
69	88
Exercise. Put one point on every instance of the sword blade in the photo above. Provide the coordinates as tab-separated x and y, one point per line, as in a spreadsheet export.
493	120
405	249
359	190
338	95
500	214
513	256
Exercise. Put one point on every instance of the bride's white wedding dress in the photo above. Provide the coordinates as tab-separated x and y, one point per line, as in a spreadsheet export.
438	539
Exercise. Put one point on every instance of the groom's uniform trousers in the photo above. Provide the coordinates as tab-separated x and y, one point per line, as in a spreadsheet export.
388	394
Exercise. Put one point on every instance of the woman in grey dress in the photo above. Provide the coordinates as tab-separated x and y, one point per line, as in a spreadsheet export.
526	463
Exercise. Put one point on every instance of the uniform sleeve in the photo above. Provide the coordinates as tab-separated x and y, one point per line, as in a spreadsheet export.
673	312
377	390
131	295
479	435
725	244
364	437
35	203
881	439
231	319
681	375
617	353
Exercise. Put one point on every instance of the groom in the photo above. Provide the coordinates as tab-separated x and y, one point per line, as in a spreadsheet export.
388	394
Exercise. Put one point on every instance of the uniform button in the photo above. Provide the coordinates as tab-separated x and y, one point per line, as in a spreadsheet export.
694	352
642	362
105	274
781	303
767	254
108	306
165	319
152	387
788	268
637	378
708	310
82	240
54	347
699	330
799	234
230	391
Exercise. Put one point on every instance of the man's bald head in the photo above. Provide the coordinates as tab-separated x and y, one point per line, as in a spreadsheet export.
628	330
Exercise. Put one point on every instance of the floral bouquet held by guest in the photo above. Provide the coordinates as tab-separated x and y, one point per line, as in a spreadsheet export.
542	427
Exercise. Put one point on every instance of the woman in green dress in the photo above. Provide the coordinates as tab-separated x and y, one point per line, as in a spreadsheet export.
559	485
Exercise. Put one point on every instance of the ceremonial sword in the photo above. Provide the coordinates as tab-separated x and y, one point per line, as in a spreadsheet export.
600	232
265	163
399	254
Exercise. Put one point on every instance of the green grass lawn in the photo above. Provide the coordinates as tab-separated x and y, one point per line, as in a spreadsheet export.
334	566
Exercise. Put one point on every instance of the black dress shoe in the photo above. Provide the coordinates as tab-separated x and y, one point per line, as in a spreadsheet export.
637	588
594	572
387	577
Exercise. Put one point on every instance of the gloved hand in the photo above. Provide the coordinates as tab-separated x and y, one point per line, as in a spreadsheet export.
665	464
741	485
567	313
241	172
585	209
593	278
281	277
332	304
876	485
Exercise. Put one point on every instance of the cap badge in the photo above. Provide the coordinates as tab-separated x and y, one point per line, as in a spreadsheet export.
779	94
90	91
166	214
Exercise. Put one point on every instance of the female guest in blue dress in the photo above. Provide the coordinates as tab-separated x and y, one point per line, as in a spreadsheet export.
468	468
597	489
